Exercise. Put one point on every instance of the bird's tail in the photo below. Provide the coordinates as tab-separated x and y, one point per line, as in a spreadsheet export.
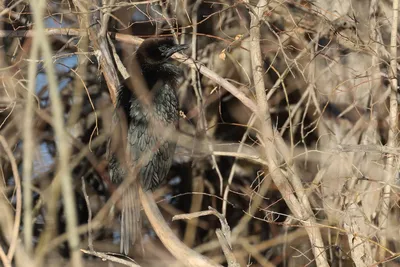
130	217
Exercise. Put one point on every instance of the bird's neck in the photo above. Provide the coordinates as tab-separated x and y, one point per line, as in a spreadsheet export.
165	72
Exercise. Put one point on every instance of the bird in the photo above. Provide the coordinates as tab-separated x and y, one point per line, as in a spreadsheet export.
144	142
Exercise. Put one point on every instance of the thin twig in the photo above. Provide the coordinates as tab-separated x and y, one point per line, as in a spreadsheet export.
80	72
223	234
90	230
106	257
230	257
197	170
254	252
106	17
17	219
233	169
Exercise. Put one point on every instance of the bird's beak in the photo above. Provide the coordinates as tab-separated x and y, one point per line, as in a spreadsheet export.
176	48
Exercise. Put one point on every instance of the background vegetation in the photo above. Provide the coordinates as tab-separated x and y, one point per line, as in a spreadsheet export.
288	138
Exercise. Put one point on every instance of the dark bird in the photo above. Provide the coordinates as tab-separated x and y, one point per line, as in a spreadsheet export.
145	143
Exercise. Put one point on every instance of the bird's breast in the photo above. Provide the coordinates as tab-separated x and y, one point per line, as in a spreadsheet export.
150	135
166	104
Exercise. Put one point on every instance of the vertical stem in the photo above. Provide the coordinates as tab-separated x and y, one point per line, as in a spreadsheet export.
301	209
106	17
28	146
393	130
64	172
197	171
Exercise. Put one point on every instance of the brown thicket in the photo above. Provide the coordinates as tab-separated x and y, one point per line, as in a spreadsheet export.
287	144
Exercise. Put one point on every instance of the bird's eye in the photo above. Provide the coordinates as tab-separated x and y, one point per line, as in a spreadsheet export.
162	48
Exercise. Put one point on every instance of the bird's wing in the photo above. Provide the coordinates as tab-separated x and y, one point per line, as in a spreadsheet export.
119	123
116	146
149	147
155	171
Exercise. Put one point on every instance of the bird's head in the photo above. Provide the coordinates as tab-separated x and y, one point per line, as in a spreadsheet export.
155	51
